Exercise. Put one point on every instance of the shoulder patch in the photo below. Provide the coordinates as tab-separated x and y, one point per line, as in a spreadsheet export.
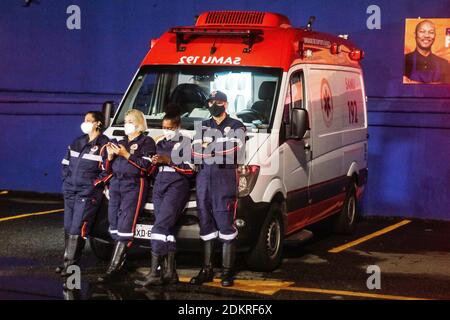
94	148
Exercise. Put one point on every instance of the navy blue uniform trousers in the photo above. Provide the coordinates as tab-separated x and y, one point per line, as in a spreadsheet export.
127	199
170	195
80	207
217	193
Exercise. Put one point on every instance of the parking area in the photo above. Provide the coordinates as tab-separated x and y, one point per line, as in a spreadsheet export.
412	256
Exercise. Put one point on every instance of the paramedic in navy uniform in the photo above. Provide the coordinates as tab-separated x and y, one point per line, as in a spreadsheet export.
81	167
128	162
221	150
170	195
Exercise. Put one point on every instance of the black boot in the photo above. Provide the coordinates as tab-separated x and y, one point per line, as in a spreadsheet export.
60	268
170	275
228	254
116	263
154	277
72	254
206	274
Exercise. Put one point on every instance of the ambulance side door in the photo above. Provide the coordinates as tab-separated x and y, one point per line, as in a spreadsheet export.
329	111
294	156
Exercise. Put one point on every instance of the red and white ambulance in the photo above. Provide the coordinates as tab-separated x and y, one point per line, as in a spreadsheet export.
301	95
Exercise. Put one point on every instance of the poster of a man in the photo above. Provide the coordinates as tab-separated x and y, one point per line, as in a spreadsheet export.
427	53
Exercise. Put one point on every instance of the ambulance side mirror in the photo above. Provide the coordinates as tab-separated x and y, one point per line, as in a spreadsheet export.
300	123
108	112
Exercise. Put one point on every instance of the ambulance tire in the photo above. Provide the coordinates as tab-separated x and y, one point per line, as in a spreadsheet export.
345	221
102	250
267	253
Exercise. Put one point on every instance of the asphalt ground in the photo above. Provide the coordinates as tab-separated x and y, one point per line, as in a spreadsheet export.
413	257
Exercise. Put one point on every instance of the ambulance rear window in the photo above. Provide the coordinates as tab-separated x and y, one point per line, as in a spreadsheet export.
251	93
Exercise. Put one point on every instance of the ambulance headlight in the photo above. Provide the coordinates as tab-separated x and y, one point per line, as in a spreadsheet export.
247	176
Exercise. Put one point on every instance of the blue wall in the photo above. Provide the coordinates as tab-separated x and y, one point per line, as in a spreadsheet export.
49	76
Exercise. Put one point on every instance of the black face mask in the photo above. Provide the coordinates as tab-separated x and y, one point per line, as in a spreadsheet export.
216	110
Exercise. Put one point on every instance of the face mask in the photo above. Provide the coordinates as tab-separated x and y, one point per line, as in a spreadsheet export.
129	128
169	134
216	110
87	127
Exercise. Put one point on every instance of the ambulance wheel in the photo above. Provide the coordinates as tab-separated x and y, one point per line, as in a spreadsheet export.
345	221
102	250
266	254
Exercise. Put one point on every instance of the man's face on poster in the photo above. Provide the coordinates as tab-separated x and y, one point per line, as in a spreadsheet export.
425	35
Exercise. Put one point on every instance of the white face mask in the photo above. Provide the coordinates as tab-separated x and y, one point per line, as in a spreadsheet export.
87	127
129	128
169	134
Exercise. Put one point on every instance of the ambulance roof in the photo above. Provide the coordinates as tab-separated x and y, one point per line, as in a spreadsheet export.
249	38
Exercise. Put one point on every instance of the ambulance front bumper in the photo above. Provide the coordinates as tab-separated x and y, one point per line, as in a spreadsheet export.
249	219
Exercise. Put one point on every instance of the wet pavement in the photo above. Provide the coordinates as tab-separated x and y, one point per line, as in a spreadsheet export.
414	260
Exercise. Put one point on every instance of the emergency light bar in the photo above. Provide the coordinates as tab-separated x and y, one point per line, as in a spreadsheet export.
249	34
356	54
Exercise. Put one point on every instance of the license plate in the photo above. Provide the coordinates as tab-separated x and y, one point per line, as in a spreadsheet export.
143	231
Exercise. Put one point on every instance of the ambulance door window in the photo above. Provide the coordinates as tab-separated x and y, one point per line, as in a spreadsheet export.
293	99
144	96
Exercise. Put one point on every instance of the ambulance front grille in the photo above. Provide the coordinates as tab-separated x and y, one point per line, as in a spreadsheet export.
192	202
189	216
235	17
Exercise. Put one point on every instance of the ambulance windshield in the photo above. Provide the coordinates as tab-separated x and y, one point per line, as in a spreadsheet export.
251	93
